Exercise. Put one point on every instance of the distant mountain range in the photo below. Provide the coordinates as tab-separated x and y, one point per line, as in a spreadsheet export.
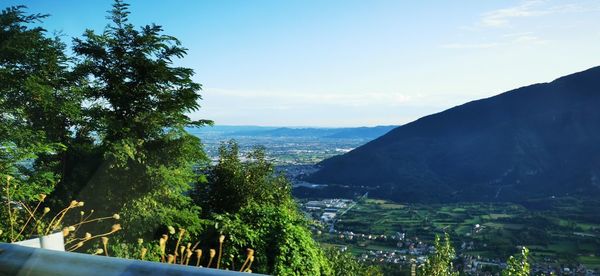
536	141
368	133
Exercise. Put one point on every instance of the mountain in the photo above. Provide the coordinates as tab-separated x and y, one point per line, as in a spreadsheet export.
289	132
535	141
226	130
361	132
312	132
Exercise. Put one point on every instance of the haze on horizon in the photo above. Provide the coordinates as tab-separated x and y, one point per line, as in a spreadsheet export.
355	63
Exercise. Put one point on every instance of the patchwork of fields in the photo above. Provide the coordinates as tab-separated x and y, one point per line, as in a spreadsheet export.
564	230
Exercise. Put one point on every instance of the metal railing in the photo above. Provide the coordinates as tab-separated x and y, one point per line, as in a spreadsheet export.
21	260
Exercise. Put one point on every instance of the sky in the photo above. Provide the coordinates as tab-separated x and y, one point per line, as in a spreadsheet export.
354	63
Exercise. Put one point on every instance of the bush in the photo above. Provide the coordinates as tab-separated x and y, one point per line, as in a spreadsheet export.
344	264
252	205
518	266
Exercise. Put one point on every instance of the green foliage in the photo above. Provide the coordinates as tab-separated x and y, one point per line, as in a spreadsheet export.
344	264
233	184
125	150
253	207
518	266
440	262
279	236
108	128
128	250
35	104
142	159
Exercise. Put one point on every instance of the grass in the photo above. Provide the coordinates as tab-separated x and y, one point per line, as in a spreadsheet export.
547	232
592	262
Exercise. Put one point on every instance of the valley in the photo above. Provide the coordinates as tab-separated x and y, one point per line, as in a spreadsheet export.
288	146
334	138
561	232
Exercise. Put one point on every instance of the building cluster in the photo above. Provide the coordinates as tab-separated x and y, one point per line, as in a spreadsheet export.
554	269
405	250
393	257
477	265
326	210
296	171
349	235
408	250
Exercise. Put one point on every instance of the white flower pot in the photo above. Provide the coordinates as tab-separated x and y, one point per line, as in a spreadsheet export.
52	242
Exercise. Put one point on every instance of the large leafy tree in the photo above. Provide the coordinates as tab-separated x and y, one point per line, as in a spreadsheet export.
38	107
136	104
234	184
252	205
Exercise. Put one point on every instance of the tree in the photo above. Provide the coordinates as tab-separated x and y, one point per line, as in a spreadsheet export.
440	262
518	266
252	206
233	184
344	264
142	160
38	106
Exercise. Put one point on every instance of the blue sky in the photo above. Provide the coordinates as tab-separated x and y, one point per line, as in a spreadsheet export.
355	63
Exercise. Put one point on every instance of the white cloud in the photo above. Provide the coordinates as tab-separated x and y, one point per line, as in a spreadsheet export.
505	18
533	8
528	39
502	17
518	34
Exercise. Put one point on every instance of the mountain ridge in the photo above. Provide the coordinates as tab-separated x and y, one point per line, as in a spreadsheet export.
315	132
497	148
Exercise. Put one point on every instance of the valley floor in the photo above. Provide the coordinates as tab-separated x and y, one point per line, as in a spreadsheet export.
562	233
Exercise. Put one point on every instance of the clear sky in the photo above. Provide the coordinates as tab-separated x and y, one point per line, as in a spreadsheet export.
354	63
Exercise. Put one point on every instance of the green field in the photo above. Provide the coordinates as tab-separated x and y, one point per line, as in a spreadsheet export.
562	230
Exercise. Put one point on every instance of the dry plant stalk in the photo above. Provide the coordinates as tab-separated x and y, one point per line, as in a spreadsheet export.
187	247
163	245
85	221
195	245
75	247
143	253
212	254
249	253
221	239
181	232
198	256
115	228
105	244
32	214
185	252
181	251
188	256
250	264
38	221
57	219
55	222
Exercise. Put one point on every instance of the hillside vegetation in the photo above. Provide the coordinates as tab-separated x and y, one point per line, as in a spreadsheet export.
102	131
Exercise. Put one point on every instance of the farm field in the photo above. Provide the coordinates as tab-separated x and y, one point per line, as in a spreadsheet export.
557	230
